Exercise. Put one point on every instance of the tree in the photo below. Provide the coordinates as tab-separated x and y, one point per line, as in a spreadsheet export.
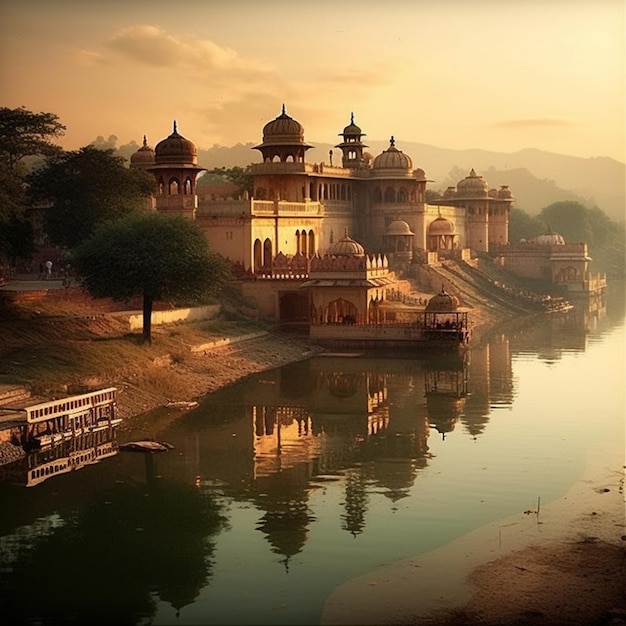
24	133
240	176
86	188
150	255
569	219
523	226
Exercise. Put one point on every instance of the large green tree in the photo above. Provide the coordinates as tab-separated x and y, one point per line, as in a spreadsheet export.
150	255
85	188
24	135
523	226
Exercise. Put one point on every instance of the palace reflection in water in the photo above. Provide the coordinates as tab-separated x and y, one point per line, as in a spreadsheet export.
307	457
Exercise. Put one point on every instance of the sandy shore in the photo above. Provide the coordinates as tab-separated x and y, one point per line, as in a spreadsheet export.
565	564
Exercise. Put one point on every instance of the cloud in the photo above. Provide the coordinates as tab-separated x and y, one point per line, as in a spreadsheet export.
148	45
87	58
533	123
153	46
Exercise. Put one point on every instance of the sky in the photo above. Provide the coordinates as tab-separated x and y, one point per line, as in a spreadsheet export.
499	75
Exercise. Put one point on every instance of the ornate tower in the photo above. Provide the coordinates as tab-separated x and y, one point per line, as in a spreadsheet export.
283	137
352	146
176	170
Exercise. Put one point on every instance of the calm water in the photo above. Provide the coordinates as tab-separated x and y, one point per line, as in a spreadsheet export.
280	488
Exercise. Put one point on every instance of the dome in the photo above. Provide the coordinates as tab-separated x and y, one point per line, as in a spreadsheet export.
442	302
346	247
441	226
450	192
472	186
420	174
352	130
504	193
144	157
392	159
283	130
550	239
399	227
175	149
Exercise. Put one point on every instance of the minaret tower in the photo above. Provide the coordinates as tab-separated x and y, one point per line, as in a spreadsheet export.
352	146
176	170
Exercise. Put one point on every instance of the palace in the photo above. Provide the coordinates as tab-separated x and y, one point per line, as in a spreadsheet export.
300	211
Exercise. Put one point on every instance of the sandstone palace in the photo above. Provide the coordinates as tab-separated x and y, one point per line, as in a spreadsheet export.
366	207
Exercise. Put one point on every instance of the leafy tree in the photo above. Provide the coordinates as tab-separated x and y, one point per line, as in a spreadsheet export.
151	255
240	176
24	133
523	226
577	223
569	219
86	188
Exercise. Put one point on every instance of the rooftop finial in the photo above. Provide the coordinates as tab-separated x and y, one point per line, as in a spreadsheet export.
392	142
175	127
284	111
351	118
145	142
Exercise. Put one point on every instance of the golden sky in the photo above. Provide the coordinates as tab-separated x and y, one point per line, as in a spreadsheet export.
498	75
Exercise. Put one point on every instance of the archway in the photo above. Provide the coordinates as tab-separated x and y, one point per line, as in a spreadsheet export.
294	307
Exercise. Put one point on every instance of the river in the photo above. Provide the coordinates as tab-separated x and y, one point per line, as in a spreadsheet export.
284	486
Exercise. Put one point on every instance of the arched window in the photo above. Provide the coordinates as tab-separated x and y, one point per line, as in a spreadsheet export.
173	187
303	243
402	195
267	253
258	255
188	186
298	249
311	250
390	194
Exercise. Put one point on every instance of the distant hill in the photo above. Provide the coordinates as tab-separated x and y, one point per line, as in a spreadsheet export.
536	178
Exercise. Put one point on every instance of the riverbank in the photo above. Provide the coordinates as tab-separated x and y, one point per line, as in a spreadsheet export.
564	564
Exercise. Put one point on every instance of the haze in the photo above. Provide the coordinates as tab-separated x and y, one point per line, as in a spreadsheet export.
497	75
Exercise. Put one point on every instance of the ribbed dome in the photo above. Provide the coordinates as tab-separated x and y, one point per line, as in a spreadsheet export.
441	226
550	239
420	174
442	302
352	130
450	192
392	159
399	227
472	186
346	247
175	149
144	157
504	193
283	130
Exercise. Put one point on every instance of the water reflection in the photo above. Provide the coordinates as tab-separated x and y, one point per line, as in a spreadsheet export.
33	467
289	483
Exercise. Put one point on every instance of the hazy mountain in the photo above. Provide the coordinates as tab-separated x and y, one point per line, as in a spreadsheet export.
536	178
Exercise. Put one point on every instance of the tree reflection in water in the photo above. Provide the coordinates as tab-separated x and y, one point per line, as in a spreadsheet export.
105	562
